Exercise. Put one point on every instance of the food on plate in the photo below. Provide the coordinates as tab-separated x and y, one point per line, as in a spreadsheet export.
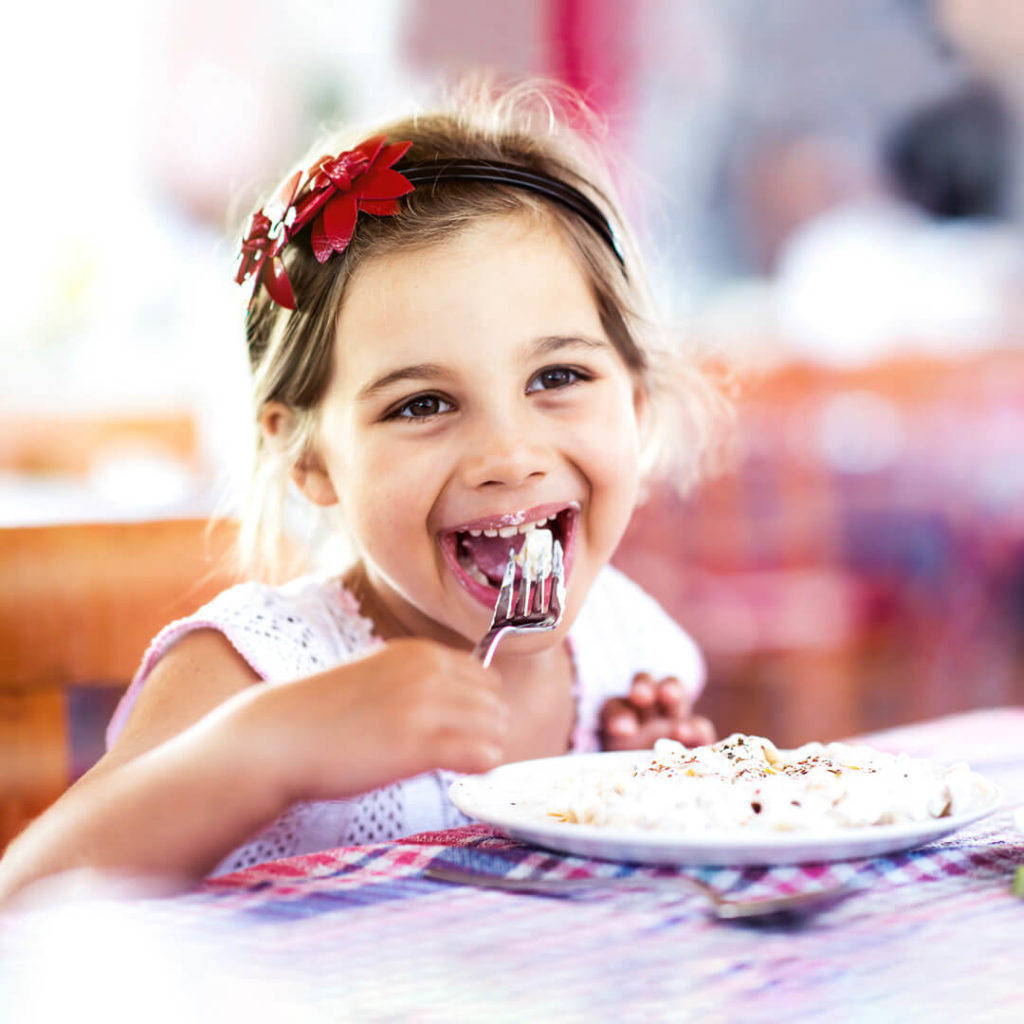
745	782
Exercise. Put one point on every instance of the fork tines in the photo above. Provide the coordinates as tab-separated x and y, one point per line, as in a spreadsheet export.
533	597
505	605
535	608
545	598
557	595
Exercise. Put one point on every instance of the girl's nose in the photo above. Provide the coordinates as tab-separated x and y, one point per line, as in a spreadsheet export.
504	455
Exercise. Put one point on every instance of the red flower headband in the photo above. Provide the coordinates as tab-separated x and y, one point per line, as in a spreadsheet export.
331	194
335	189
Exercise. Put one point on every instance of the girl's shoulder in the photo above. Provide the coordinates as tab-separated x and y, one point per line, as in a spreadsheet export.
306	624
313	613
282	631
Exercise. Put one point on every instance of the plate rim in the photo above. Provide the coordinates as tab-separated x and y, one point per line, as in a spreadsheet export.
736	842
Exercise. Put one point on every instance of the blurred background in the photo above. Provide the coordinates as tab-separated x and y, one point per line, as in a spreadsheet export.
832	197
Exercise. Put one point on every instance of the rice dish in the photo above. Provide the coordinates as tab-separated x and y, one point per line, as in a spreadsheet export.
744	782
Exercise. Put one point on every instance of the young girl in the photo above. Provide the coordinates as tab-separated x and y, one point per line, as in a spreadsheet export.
448	351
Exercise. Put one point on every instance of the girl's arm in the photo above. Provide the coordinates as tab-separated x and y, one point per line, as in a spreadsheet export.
164	798
207	759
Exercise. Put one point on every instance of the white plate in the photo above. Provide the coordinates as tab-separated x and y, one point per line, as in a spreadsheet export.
496	798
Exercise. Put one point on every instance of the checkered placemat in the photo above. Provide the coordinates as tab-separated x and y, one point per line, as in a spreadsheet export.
993	740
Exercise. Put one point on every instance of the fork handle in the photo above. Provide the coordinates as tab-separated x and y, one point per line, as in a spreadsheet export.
489	643
562	886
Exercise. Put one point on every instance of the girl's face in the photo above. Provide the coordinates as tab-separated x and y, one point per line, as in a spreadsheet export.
473	390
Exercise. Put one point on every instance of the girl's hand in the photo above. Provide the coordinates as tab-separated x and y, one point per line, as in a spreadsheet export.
410	707
653	710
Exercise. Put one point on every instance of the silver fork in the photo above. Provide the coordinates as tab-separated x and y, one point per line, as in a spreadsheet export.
720	905
532	610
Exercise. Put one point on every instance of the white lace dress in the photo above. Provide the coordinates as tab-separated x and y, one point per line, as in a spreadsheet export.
313	623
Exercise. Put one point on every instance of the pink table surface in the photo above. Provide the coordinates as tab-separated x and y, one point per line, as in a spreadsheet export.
358	934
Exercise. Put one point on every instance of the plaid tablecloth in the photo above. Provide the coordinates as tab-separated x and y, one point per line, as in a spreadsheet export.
357	934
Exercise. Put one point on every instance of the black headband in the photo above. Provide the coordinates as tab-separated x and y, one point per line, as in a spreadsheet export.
431	172
331	194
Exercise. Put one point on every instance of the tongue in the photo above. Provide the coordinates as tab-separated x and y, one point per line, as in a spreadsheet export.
490	554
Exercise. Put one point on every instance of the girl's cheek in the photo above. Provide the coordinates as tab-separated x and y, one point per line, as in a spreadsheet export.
610	443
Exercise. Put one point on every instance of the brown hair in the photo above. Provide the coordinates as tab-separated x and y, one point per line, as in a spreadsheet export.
539	127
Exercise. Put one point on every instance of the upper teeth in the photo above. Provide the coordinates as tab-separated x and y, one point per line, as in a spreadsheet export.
510	531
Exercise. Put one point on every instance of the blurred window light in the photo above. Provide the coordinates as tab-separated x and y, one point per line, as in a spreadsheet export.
871	279
140	480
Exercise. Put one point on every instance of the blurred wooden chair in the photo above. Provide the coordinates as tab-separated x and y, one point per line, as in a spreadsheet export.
78	605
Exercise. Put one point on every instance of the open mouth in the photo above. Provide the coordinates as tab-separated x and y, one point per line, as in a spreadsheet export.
478	552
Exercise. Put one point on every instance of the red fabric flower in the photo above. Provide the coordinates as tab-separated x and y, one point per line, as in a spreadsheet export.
330	194
268	232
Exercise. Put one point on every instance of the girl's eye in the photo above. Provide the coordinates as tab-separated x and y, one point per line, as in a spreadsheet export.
419	408
551	378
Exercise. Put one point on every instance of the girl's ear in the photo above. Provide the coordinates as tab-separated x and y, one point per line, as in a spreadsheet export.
278	423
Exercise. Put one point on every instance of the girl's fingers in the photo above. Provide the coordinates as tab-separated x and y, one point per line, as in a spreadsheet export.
460	753
653	710
469	713
673	701
693	730
643	692
619	718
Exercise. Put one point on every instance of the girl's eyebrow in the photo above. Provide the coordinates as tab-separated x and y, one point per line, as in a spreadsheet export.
421	372
554	342
417	372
